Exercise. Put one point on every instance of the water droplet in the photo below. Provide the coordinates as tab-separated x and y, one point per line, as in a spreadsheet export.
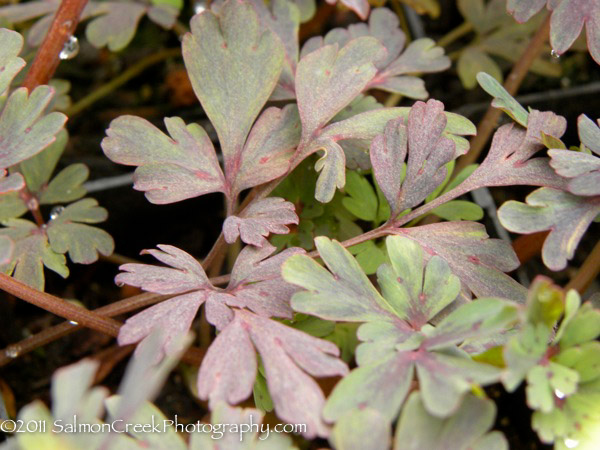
12	351
199	6
56	211
70	49
72	322
554	54
559	393
571	443
33	204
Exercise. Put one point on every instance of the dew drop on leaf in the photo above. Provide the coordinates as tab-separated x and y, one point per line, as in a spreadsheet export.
72	322
70	49
559	394
12	351
199	6
56	211
554	54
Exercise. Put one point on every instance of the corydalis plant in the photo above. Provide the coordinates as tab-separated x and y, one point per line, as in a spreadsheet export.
568	19
25	128
113	24
242	313
397	340
569	200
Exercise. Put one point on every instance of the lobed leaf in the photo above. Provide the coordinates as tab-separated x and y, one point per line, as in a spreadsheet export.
269	215
427	149
568	19
69	233
216	52
566	217
581	168
10	63
170	168
467	428
24	127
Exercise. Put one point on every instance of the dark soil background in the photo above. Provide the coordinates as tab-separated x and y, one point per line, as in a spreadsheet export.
193	225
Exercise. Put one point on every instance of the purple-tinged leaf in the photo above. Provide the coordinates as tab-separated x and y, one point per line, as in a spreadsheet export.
360	429
583	169
24	128
328	79
255	284
229	367
466	429
393	70
566	216
360	7
428	152
11	183
10	63
115	25
288	355
283	18
186	274
479	262
567	21
68	232
269	148
216	52
509	161
269	215
170	168
523	10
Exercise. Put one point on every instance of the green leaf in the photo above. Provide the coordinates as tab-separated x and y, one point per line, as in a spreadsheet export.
545	383
361	200
473	61
361	429
68	232
262	398
369	256
32	252
459	210
11	205
10	63
66	186
38	169
216	52
502	99
583	327
24	127
466	429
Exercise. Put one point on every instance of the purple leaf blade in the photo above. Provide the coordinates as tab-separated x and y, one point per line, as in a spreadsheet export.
567	22
170	168
115	26
229	378
269	215
565	215
479	262
269	148
219	49
328	79
287	354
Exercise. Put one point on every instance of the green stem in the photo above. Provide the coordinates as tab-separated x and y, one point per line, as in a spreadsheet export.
119	81
456	33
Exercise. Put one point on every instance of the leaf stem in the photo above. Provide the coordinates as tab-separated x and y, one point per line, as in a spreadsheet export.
120	80
588	271
47	57
513	81
456	33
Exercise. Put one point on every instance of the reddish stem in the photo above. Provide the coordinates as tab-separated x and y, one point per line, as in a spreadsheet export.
47	57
